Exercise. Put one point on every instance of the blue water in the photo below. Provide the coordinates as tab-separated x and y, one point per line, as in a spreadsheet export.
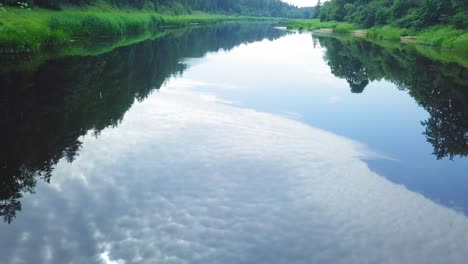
289	77
246	148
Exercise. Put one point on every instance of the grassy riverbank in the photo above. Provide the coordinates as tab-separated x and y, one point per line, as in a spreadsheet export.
23	30
314	24
444	36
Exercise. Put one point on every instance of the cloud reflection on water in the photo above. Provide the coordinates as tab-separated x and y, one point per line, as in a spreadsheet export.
189	180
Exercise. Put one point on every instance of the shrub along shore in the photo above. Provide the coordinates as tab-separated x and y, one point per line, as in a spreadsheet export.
444	36
24	30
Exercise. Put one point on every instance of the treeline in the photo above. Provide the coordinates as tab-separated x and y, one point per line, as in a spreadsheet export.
403	13
270	8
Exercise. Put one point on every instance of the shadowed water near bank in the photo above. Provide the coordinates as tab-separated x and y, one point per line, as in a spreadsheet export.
257	152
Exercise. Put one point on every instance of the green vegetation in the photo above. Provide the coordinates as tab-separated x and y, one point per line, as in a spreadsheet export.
33	25
265	8
313	24
388	33
39	29
445	36
441	23
416	14
26	31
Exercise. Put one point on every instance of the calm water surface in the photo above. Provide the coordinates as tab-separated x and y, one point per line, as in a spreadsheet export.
238	143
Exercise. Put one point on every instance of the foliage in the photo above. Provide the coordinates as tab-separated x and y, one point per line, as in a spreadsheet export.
445	36
23	31
387	33
38	30
417	14
312	24
266	8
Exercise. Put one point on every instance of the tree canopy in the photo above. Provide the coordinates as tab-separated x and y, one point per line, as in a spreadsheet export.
403	13
269	8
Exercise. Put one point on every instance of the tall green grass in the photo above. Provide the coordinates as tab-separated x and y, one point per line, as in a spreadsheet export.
388	33
203	18
446	37
443	36
438	36
28	31
313	24
24	30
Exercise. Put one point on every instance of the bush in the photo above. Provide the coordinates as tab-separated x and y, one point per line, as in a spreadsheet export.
460	20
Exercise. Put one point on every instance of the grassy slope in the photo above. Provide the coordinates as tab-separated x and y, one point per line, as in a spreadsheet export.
313	24
24	30
438	36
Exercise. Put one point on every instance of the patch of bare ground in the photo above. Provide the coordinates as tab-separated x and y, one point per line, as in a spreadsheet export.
323	30
409	39
359	33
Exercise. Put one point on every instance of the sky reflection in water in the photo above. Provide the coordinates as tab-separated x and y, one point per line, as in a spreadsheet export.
290	77
229	163
188	180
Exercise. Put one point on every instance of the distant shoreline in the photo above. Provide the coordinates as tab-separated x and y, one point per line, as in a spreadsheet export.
443	36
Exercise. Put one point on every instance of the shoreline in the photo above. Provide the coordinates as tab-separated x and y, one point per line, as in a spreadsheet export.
38	30
431	52
439	36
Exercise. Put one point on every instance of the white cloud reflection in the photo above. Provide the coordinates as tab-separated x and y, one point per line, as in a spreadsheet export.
106	260
188	180
335	99
185	84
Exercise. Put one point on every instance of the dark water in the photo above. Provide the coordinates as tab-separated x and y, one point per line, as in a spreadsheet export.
236	143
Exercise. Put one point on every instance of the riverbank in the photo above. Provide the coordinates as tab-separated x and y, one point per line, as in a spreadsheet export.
34	30
437	36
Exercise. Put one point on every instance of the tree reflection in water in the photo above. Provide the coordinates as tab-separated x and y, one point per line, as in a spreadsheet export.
441	88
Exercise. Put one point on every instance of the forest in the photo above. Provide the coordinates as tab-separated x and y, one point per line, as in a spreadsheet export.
37	25
268	8
416	14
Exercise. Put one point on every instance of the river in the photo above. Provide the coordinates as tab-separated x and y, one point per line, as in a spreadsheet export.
234	143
